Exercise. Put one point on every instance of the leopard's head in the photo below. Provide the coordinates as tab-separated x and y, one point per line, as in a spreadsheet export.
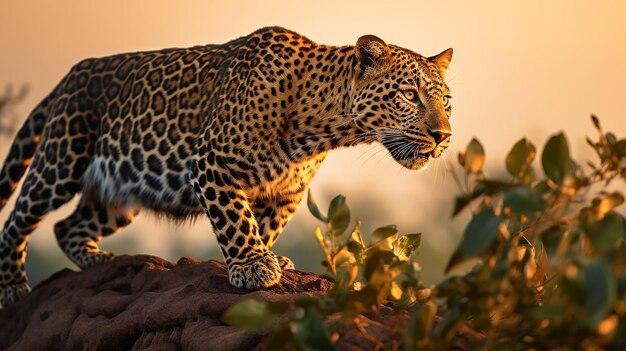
401	100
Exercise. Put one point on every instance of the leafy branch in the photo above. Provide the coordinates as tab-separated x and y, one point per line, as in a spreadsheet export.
550	252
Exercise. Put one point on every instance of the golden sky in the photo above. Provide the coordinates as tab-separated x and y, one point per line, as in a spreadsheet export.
519	68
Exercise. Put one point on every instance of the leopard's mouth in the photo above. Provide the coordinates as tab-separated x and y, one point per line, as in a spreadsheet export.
407	152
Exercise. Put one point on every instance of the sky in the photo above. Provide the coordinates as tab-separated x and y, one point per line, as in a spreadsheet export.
525	68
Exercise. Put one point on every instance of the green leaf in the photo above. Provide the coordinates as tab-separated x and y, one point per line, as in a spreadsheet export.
460	203
405	245
596	122
573	289
344	257
338	215
620	148
555	158
478	236
376	260
474	156
484	187
383	233
520	157
551	238
310	332
337	202
480	232
611	138
315	211
249	314
461	159
356	248
600	290
521	199
605	233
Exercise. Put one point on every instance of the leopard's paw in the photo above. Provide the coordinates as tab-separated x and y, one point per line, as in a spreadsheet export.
85	252
89	258
285	263
261	272
13	293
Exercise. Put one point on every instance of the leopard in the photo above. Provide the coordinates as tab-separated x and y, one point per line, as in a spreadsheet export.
234	132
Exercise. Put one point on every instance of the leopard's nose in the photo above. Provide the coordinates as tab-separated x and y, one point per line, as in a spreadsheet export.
439	136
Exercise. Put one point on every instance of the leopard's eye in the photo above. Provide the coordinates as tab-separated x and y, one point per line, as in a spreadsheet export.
411	95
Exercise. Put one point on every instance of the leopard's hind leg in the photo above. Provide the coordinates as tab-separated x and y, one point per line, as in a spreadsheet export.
46	188
79	234
68	136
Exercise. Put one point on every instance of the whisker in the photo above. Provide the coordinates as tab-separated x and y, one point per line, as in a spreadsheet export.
378	152
371	149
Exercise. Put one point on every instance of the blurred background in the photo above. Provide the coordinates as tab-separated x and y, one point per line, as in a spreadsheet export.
526	69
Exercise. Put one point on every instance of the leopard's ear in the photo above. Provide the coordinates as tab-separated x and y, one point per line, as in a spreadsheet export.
442	60
373	55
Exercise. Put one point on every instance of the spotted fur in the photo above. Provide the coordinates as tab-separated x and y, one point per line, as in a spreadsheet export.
235	131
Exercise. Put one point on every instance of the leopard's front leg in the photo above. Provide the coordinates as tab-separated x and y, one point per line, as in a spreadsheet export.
250	263
272	215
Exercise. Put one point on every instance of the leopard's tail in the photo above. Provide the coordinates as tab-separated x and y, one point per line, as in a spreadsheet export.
22	150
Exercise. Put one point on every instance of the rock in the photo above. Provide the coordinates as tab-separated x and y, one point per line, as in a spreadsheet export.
147	303
139	302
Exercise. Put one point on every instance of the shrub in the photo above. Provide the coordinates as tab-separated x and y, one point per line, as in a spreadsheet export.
551	271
